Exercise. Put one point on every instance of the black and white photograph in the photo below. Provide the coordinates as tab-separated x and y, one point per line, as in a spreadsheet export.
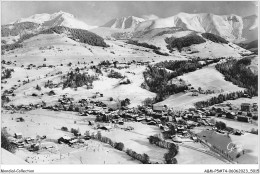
129	83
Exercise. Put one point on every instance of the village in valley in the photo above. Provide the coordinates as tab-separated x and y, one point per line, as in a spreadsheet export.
108	95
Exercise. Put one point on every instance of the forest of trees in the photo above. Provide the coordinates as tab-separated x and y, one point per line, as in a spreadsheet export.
185	41
180	67
76	79
146	45
5	143
214	38
156	80
160	53
220	99
79	35
115	74
238	72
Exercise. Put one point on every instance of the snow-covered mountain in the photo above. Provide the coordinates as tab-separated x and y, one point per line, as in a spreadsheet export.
124	22
56	19
230	27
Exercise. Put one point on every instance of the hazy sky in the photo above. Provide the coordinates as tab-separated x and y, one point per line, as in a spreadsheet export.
98	13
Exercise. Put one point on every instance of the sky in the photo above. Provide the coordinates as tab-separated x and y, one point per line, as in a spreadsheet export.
99	12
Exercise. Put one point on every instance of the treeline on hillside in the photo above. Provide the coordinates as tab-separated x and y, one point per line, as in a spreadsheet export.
157	77
180	67
214	38
220	99
146	45
77	79
156	80
160	53
79	35
253	44
237	72
25	37
13	46
17	28
185	41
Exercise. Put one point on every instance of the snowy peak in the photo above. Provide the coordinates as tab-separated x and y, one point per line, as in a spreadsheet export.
56	19
229	27
124	22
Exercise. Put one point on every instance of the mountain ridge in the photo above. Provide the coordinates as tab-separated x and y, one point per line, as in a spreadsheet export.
56	19
229	27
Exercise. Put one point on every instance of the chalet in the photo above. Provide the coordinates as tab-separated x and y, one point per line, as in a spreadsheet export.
120	122
148	119
230	115
192	109
65	139
105	128
159	107
18	135
51	93
180	129
141	118
195	94
34	147
20	119
177	139
243	119
202	62
170	118
237	132
245	107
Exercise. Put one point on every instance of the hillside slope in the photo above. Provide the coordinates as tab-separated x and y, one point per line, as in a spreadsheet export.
208	49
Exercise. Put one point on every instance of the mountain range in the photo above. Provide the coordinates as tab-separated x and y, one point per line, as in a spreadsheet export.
233	28
230	27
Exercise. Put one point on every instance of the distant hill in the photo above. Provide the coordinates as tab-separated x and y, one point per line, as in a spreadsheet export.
79	35
18	28
252	46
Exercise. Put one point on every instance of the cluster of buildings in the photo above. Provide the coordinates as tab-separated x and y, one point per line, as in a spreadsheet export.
31	144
